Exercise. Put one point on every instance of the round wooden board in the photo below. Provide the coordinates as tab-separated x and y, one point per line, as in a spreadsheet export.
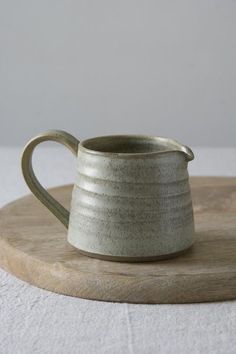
33	247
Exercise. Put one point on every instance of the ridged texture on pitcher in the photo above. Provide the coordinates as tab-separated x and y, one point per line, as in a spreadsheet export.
137	206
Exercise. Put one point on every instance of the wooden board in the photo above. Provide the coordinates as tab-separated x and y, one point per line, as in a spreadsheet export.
33	247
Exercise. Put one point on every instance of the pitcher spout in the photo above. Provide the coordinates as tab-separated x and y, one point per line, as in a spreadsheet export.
174	145
188	152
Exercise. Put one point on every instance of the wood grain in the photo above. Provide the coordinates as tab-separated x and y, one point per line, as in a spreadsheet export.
33	247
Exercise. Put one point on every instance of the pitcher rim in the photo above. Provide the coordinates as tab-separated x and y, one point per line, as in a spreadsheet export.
176	146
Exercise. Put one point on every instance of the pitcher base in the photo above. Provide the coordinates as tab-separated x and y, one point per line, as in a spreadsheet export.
134	259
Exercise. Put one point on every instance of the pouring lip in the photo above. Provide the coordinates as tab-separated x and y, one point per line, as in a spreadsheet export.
174	146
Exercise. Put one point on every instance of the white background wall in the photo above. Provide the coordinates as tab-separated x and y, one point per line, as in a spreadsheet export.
159	67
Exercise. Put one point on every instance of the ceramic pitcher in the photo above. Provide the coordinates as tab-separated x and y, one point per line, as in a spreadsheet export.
131	199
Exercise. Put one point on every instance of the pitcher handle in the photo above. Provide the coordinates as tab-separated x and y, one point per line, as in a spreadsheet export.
36	188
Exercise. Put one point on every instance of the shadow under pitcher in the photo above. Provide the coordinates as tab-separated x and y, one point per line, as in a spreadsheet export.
131	201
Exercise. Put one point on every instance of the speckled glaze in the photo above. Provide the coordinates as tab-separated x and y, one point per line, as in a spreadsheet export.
131	200
132	204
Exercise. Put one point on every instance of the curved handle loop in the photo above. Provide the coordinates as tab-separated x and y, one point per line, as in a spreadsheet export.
36	188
